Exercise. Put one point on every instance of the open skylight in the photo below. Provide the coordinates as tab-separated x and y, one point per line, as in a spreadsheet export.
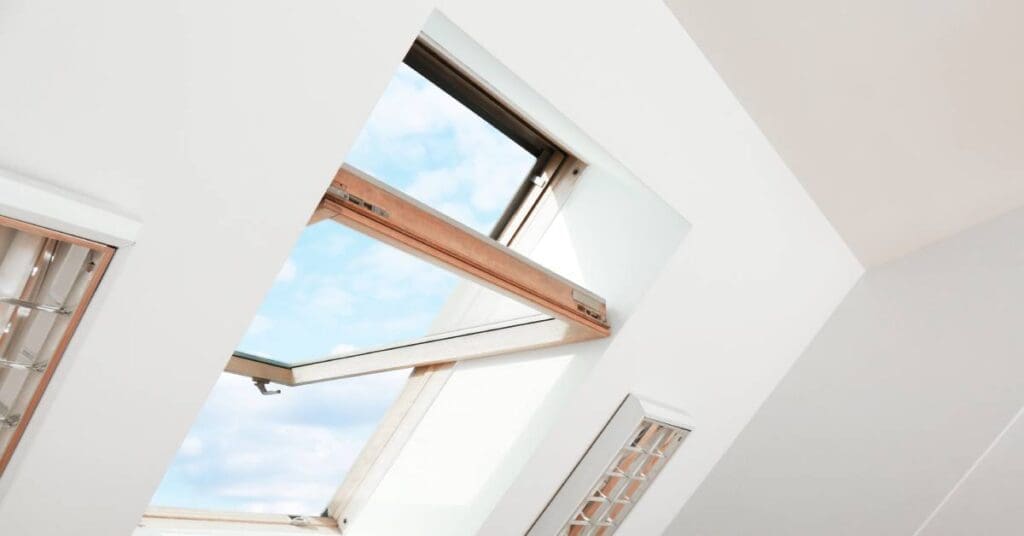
342	292
404	264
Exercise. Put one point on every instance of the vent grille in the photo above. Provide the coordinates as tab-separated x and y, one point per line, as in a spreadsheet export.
625	480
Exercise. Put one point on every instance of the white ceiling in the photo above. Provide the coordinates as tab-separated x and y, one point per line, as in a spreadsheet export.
892	422
903	119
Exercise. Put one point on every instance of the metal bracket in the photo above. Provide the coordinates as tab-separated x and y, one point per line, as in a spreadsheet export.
34	367
343	195
300	521
59	309
8	420
261	384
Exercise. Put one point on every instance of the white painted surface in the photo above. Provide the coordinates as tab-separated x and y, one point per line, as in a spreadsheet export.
755	277
911	380
33	201
987	501
219	124
216	124
902	118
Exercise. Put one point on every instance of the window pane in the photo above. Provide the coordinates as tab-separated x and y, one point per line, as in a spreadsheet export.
281	454
43	281
341	291
425	143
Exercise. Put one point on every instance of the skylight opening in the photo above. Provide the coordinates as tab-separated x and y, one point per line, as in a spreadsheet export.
405	263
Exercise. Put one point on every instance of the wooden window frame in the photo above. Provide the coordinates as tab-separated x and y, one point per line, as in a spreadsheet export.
370	206
104	254
367	205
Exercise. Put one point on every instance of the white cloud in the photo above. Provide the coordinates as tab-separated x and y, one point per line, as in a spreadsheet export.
279	454
342	349
287	272
414	121
331	298
259	324
192	446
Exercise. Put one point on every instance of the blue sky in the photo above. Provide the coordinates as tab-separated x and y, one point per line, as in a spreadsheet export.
339	291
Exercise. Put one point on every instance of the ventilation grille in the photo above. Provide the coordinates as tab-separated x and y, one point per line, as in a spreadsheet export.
625	480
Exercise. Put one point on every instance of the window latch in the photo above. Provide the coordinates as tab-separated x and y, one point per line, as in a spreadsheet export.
261	384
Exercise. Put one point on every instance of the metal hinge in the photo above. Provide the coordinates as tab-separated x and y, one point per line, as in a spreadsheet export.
343	195
590	305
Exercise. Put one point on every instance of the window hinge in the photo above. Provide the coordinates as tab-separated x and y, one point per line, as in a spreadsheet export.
343	195
300	521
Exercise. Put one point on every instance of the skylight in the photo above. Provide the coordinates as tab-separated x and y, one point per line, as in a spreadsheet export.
341	291
397	270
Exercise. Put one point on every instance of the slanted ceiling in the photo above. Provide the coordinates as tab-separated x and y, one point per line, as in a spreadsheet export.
903	119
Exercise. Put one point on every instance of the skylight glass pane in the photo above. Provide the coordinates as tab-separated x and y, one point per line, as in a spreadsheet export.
281	454
341	292
425	143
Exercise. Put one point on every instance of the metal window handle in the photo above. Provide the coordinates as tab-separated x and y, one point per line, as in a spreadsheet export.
261	384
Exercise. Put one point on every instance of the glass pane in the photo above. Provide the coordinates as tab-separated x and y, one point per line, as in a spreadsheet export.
43	281
281	454
341	292
425	143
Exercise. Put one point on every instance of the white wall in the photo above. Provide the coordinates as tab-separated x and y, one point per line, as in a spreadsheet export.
911	380
755	277
218	125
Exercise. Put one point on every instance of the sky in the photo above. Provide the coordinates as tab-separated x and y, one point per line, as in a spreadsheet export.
339	291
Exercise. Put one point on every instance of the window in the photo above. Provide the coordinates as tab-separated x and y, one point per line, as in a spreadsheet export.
411	261
46	281
615	472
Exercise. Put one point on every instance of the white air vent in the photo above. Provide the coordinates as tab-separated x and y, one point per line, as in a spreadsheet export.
615	472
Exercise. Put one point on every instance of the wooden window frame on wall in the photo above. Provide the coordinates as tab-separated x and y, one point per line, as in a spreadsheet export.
104	254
